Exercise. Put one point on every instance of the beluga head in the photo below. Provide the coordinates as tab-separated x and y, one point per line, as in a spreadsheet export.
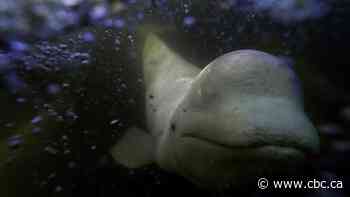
239	118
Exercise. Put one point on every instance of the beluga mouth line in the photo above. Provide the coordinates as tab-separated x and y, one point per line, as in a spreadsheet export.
242	113
248	146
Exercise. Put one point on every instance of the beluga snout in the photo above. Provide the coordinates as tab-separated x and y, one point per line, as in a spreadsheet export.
239	118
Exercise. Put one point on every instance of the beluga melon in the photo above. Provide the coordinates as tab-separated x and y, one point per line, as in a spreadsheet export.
239	118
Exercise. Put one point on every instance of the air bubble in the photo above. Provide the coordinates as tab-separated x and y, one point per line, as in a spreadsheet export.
15	141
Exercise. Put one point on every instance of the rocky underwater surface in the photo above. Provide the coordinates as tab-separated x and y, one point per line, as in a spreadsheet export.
70	84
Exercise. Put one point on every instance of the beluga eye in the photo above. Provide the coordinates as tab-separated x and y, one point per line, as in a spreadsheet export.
173	127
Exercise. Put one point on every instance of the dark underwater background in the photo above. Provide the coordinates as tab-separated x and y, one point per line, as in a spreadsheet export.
71	83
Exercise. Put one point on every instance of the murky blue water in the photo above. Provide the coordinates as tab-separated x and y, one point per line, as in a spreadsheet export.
71	83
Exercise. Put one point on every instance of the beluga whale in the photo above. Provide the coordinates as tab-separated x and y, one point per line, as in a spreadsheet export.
239	118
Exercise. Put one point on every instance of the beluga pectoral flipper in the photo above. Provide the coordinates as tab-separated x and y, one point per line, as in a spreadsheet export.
239	118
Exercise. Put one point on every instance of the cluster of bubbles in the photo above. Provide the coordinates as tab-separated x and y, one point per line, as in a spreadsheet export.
36	19
292	10
286	11
48	18
23	26
24	22
44	19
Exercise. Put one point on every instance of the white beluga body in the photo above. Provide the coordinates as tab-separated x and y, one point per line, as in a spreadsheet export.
239	118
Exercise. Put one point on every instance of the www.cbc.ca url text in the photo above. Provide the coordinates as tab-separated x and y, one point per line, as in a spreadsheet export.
264	183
